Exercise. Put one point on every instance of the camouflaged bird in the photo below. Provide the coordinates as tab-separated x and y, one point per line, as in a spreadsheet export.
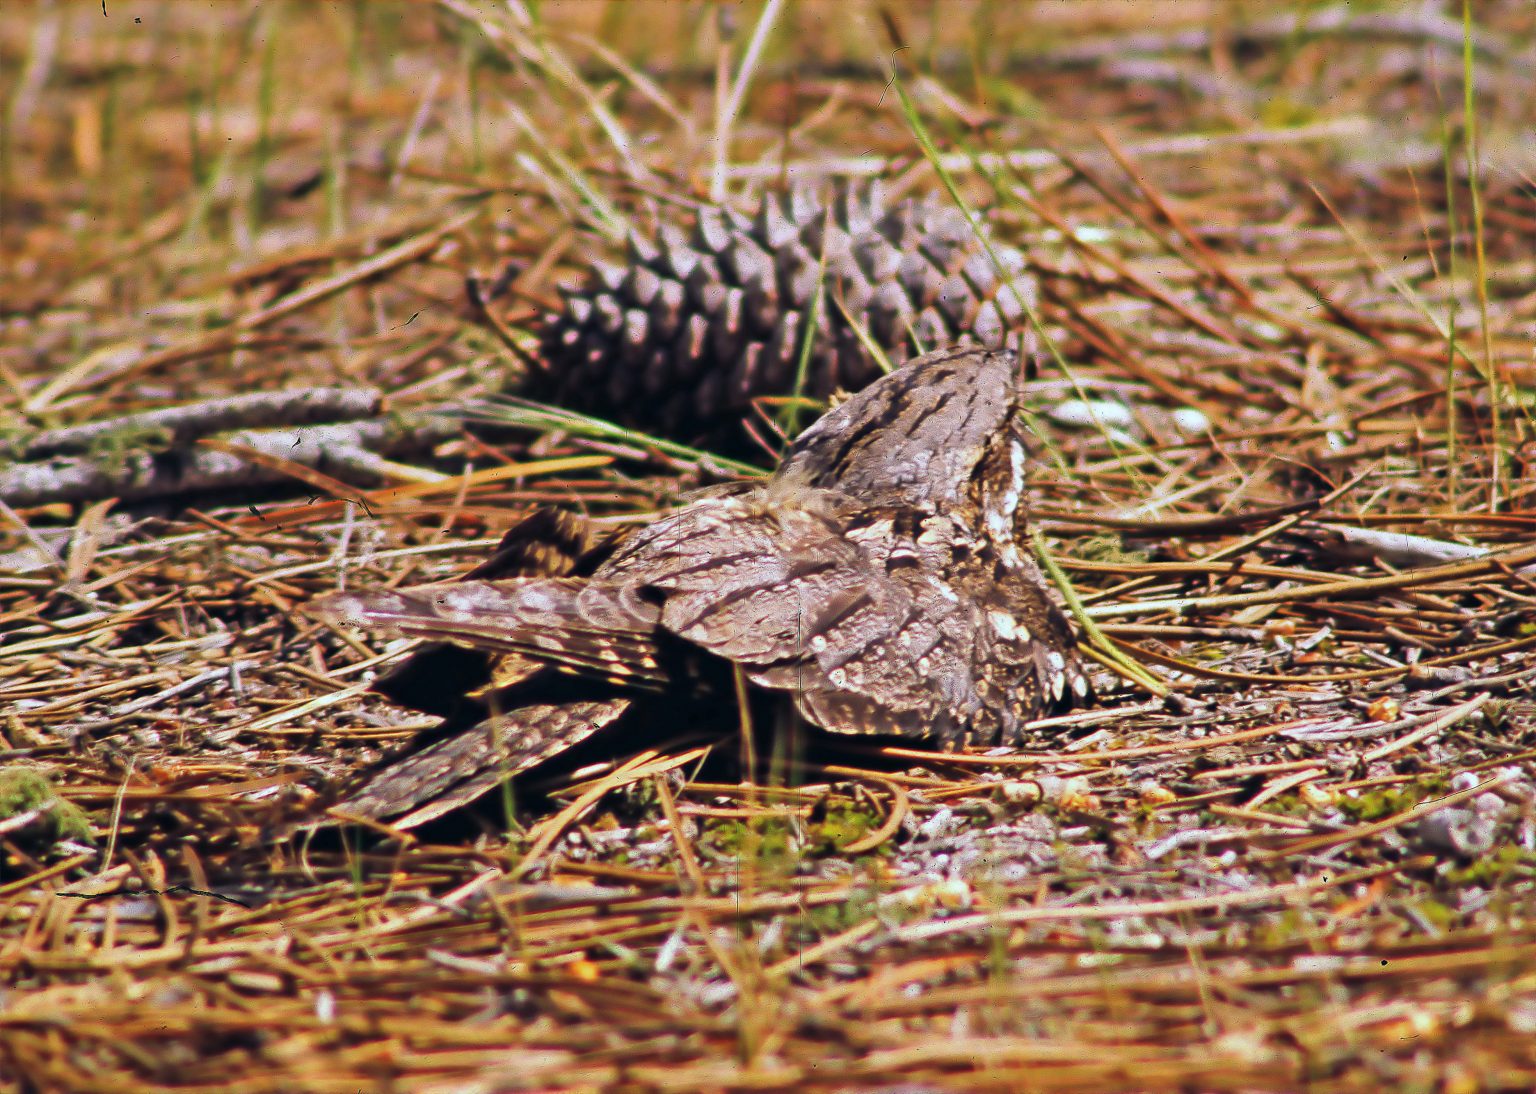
878	581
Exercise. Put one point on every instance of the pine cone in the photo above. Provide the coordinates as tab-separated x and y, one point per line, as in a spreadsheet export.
680	339
877	581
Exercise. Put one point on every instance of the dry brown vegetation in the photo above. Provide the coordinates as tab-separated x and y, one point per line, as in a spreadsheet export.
1293	278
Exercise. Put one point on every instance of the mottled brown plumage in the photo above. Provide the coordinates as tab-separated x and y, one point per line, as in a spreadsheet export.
879	581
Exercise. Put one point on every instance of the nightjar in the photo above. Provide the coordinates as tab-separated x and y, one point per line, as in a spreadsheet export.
879	581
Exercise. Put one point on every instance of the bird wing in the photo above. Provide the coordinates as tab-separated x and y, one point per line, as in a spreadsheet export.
545	542
867	641
575	625
876	619
442	677
862	614
457	769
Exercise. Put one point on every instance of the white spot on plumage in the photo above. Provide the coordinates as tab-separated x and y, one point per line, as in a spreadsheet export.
943	589
460	600
934	533
535	598
1007	626
1016	476
1008	551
